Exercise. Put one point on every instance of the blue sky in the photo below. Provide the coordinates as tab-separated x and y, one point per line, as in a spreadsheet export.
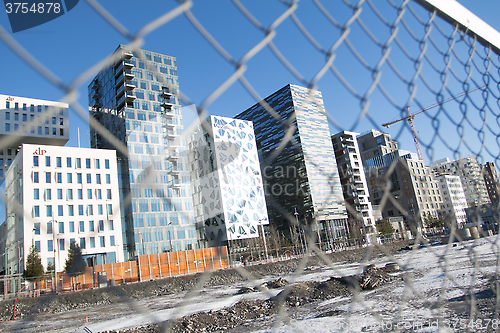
78	40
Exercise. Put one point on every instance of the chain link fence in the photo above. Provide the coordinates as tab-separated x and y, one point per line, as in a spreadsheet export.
378	58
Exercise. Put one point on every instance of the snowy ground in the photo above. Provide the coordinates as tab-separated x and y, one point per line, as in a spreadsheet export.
429	288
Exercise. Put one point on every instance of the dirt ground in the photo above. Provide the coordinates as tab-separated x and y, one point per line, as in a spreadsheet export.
51	303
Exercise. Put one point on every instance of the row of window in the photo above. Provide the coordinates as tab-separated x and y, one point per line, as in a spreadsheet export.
32	129
91	194
83	243
31	107
78	162
61	227
24	118
58	178
89	211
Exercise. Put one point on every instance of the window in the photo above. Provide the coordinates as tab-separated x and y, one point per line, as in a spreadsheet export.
110	209
47	177
81	227
108	192
71	211
97	164
68	162
36	194
100	226
36	228
78	163
58	162
89	178
49	228
36	211
82	243
79	193
110	225
7	115
89	193
91	226
80	210
59	178
49	211
71	226
50	245
98	178
112	240
103	244
92	242
98	194
59	194
108	178
61	244
35	177
59	210
69	178
35	161
106	164
48	194
87	163
90	210
7	127
47	161
61	227
100	211
79	178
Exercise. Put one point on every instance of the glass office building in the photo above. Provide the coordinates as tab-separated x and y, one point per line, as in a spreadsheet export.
301	180
135	97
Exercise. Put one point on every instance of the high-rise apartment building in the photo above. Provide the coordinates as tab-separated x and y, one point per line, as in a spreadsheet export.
57	195
353	180
470	173
413	185
29	120
454	201
491	181
136	98
301	180
228	194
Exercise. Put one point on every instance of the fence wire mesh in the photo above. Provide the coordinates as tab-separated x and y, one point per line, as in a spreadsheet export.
377	58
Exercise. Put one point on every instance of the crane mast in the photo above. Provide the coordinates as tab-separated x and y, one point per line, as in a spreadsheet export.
414	132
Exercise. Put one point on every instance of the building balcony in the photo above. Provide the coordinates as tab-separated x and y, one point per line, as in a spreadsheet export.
129	85
175	183
170	135
96	95
168	113
173	156
95	85
129	96
174	170
166	92
169	125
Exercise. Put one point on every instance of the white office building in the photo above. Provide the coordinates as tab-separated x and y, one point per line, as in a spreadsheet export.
29	120
226	181
454	200
57	195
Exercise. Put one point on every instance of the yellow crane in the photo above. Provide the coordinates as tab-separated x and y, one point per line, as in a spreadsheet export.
411	116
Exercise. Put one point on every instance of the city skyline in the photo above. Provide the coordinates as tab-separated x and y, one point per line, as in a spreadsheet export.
203	71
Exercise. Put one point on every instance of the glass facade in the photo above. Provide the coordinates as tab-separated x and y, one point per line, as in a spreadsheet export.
301	175
136	99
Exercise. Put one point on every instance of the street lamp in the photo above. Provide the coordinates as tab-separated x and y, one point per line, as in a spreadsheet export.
264	237
169	237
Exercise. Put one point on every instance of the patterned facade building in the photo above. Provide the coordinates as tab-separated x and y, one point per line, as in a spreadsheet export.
353	180
470	173
29	120
491	181
136	98
228	194
301	180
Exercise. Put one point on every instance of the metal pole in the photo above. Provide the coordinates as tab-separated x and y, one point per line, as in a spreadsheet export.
169	236
264	238
55	261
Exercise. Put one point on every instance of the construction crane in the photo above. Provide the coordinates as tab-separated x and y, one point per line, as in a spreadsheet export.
410	118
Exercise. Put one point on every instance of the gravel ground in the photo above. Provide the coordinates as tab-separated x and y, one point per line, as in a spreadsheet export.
224	319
